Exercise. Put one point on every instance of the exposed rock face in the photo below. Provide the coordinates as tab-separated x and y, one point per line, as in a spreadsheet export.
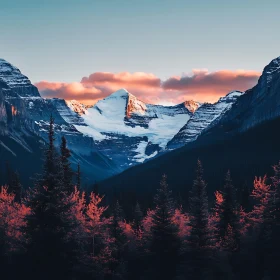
204	117
243	139
77	107
128	130
24	113
257	105
15	80
121	130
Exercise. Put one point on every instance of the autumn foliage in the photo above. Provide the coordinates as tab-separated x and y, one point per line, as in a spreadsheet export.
57	230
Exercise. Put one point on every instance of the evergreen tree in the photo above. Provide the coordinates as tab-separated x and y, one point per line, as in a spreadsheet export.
52	252
136	257
198	255
199	216
165	241
256	247
66	165
272	228
116	229
137	221
229	217
118	264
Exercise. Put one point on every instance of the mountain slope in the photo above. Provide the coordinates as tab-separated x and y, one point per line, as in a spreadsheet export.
257	105
246	155
245	140
204	117
24	120
130	131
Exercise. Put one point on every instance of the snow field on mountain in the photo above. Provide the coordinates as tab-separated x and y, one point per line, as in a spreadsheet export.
107	116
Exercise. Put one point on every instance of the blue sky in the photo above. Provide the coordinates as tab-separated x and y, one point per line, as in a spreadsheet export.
66	40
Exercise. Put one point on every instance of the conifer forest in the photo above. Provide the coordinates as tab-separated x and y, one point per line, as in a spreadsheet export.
56	230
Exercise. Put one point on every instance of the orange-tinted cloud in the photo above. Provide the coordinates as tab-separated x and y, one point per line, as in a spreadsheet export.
122	79
69	91
200	85
219	82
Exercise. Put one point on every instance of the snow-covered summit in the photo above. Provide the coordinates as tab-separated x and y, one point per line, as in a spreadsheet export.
14	79
120	93
138	129
12	75
273	66
124	104
191	105
271	70
121	104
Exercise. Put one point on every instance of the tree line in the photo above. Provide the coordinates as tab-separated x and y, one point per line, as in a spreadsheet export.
55	230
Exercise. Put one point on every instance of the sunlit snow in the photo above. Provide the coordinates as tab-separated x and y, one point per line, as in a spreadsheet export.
107	116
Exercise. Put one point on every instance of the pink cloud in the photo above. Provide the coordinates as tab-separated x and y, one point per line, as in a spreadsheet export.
69	91
201	85
122	79
205	83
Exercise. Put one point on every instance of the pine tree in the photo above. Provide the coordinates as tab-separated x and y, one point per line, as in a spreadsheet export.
263	197
116	230
165	241
272	228
118	264
257	244
97	232
199	216
65	154
229	216
198	255
52	252
137	221
136	254
96	224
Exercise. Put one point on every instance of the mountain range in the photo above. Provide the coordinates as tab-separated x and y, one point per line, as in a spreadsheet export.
121	132
243	139
117	132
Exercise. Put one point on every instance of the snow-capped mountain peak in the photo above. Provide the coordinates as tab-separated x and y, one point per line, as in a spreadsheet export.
191	105
119	93
15	80
127	128
122	103
6	67
12	75
273	66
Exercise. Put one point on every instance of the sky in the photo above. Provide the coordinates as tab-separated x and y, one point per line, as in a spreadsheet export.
163	51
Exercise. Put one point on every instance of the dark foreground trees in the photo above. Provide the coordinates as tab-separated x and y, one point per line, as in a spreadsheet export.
57	231
52	247
164	240
198	254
